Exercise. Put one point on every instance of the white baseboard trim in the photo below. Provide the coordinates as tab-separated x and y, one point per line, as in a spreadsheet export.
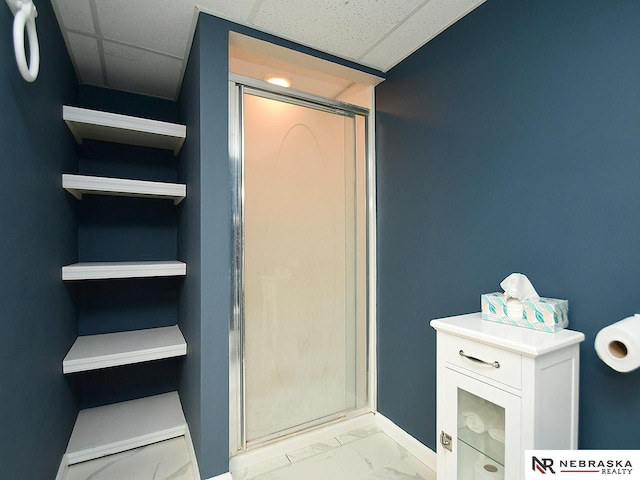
224	476
63	469
408	442
192	452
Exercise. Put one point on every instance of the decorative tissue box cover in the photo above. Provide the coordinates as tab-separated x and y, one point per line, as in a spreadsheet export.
544	314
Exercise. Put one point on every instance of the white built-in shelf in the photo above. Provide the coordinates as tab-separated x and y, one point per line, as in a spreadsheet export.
109	270
92	352
113	127
118	427
78	185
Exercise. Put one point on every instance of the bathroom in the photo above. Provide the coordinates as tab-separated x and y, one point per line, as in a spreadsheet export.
508	143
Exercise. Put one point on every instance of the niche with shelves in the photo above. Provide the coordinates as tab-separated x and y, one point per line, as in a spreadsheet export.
110	428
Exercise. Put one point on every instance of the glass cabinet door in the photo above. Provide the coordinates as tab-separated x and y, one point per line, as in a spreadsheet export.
484	424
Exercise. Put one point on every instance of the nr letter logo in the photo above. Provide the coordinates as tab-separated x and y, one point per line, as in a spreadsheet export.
542	465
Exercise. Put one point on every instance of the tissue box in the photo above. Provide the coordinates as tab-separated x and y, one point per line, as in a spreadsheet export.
544	314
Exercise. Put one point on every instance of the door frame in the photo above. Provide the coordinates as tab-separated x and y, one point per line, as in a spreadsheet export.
237	84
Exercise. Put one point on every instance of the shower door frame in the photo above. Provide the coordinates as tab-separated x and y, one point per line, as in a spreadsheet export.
238	85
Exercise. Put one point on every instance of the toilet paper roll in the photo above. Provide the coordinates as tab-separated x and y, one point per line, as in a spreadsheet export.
487	470
497	434
618	345
479	418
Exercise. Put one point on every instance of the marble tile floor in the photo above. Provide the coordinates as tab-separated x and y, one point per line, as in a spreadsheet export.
167	460
362	454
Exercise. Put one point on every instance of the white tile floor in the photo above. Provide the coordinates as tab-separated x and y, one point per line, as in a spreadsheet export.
362	454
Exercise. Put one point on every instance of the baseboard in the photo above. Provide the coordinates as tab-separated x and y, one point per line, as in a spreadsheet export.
408	442
192	452
224	476
63	469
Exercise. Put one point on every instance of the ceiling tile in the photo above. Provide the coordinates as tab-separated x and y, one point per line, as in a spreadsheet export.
76	15
86	58
426	23
159	25
153	36
345	28
140	71
237	11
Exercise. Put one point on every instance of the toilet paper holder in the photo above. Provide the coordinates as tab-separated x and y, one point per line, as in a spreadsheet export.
25	13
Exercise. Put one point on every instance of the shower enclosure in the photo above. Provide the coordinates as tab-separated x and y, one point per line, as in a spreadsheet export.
299	333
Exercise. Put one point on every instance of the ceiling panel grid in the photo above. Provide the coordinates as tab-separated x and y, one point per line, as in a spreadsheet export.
142	46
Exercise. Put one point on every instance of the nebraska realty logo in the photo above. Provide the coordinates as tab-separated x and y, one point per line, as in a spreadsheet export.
582	464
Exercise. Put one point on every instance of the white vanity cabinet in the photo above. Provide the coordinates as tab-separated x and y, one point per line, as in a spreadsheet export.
501	390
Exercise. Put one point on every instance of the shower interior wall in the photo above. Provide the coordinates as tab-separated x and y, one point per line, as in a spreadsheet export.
304	325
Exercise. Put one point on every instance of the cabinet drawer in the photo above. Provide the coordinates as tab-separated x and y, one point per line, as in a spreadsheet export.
509	371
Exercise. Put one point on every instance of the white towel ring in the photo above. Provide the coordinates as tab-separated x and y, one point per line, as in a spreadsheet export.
25	19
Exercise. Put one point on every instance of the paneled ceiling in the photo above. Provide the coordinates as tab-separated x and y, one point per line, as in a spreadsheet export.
142	46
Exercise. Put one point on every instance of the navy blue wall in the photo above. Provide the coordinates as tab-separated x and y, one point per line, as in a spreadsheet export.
204	243
189	251
126	229
38	238
511	143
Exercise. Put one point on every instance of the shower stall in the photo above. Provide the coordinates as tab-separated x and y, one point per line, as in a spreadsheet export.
300	330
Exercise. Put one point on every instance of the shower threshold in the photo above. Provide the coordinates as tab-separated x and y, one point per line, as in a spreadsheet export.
281	446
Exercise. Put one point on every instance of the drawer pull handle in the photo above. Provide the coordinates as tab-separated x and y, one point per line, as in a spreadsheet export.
477	360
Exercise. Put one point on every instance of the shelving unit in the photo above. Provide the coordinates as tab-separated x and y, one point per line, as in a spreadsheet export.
78	185
92	352
113	127
118	427
113	270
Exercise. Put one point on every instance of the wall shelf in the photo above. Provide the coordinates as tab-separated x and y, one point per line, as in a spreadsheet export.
113	127
78	185
92	352
124	426
112	270
118	427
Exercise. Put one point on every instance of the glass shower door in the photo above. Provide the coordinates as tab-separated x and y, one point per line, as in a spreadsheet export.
304	272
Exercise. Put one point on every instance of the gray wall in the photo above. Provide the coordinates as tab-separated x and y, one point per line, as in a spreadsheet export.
38	238
511	143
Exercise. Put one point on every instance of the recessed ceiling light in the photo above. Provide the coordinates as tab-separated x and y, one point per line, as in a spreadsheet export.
279	80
